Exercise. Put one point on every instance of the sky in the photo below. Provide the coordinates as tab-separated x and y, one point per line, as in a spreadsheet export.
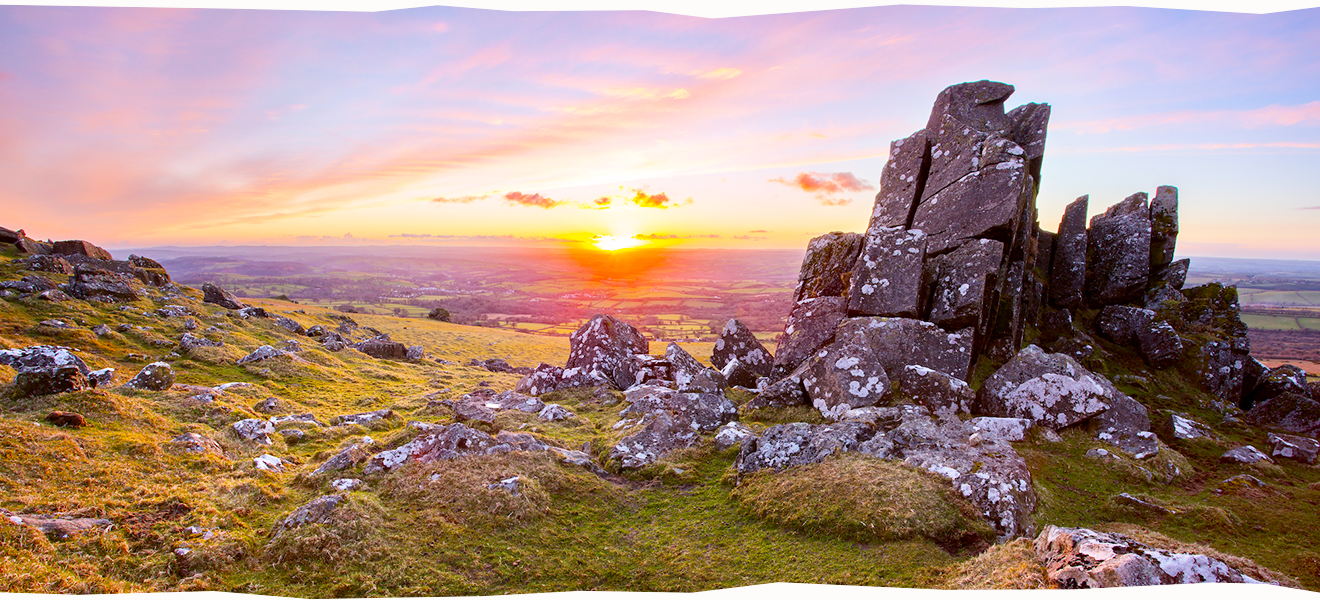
456	126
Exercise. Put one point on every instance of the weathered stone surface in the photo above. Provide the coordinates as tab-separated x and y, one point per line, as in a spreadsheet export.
1222	369
316	511
60	528
937	391
690	375
1055	324
661	433
982	204
101	377
1004	428
1176	274
901	181
543	379
51	380
699	412
1298	448
1287	412
810	327
1121	323
1163	229
32	284
1082	558
1051	389
41	357
1245	455
268	462
827	265
887	277
1127	425
1283	379
514	401
31	246
255	430
157	376
793	444
736	373
291	325
214	294
303	419
196	443
1182	427
415	353
732	434
845	375
1164	298
1118	253
976	104
45	262
607	345
445	443
901	342
1027	125
262	353
737	341
100	285
81	247
189	342
965	283
1160	344
365	418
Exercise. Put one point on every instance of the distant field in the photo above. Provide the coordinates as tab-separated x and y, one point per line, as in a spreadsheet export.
1270	322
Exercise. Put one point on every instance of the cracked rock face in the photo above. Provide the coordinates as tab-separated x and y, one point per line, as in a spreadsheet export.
1068	274
214	294
887	277
737	341
1118	252
965	283
1082	558
845	375
899	342
827	265
690	375
1050	389
937	391
811	326
606	345
660	434
1298	448
157	376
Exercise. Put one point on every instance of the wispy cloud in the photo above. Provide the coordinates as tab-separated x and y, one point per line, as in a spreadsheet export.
826	186
536	200
1270	116
462	199
720	73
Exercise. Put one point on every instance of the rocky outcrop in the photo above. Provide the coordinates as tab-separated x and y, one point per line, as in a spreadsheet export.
887	276
607	346
736	341
828	265
214	294
1118	253
1082	558
811	326
1068	273
80	247
1051	389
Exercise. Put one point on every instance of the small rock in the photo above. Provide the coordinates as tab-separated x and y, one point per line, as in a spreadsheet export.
265	352
1298	448
509	486
365	419
732	434
1244	455
555	412
157	376
61	418
346	485
267	462
255	430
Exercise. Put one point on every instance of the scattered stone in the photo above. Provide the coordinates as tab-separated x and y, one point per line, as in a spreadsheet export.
41	357
61	418
382	348
1245	455
299	419
732	434
102	330
267	462
59	528
196	443
255	430
700	412
607	346
509	486
269	406
249	312
793	444
1127	425
80	247
415	353
555	412
1300	449
293	436
346	485
345	459
1181	427
1144	505
213	294
189	342
291	325
661	433
172	310
1050	389
736	373
157	376
447	443
365	419
316	511
690	375
265	352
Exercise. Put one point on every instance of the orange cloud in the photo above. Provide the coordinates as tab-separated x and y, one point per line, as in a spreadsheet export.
460	199
827	185
674	236
530	200
661	200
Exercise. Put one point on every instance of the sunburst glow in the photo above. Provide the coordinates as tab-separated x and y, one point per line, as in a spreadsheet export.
614	242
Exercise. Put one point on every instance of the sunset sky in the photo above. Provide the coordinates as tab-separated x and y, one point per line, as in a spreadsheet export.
143	127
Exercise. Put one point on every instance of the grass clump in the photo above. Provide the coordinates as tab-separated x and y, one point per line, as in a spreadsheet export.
1009	566
351	533
865	499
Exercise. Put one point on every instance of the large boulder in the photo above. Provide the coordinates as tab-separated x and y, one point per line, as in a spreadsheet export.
845	375
792	444
100	285
214	294
1283	379
1118	253
1298	448
1051	389
661	433
607	345
80	247
887	277
1163	230
1127	425
382	347
827	265
1287	412
810	327
1082	558
699	412
42	357
899	342
736	341
50	380
157	376
690	375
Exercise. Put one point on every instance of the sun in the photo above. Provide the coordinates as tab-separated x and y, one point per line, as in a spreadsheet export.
614	242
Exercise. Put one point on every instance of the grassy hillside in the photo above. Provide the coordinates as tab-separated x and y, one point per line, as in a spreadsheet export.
438	529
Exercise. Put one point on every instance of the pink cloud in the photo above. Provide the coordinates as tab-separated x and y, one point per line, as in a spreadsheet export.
827	186
460	199
1269	116
530	200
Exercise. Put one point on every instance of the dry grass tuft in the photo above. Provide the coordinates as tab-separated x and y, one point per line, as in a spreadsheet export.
865	499
350	534
1008	566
